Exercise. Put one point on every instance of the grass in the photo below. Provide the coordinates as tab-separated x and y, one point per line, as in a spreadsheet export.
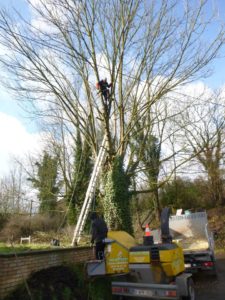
8	248
41	241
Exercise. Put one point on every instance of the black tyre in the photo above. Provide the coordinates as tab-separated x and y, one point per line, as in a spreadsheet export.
191	290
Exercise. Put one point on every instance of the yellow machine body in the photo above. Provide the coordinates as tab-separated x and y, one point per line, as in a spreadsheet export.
122	254
139	257
117	252
171	259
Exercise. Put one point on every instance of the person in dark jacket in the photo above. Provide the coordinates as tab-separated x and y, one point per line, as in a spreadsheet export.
99	232
104	86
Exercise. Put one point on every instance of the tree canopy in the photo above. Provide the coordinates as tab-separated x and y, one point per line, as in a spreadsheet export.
146	49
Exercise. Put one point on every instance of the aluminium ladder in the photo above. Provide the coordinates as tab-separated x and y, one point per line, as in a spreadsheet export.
89	194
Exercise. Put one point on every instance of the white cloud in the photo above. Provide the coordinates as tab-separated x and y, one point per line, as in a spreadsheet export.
16	141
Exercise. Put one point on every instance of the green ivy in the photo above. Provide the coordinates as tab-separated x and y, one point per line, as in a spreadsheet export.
100	289
81	176
116	202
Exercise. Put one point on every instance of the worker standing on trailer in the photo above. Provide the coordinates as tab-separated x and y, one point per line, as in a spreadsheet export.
99	232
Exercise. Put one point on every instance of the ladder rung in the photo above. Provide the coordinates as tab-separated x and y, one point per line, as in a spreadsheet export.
90	190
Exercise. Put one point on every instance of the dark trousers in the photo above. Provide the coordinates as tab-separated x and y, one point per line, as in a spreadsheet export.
105	94
99	250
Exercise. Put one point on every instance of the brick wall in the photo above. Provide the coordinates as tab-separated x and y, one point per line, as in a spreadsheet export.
14	269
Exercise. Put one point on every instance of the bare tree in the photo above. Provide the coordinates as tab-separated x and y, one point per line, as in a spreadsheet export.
155	152
204	128
12	192
146	49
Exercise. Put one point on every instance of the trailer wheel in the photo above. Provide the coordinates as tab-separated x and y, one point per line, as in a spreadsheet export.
191	290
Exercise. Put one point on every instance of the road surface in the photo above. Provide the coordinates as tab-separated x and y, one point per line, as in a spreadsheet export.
212	288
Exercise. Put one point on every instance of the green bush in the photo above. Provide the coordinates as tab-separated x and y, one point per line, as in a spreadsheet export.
63	283
57	283
186	193
100	289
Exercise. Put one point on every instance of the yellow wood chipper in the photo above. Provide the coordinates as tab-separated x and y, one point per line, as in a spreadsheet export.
148	271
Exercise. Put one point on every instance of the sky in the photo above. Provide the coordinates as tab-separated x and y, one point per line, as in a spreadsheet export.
19	135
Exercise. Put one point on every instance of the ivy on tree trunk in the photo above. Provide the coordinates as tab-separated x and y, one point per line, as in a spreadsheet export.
81	176
116	202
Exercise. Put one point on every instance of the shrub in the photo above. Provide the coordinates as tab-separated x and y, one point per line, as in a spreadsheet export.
3	219
45	223
67	283
186	193
19	225
16	227
55	283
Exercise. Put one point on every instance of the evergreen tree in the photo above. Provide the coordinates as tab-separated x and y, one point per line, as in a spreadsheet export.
46	183
147	149
151	161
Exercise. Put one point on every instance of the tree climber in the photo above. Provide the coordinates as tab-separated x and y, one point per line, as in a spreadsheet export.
103	86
